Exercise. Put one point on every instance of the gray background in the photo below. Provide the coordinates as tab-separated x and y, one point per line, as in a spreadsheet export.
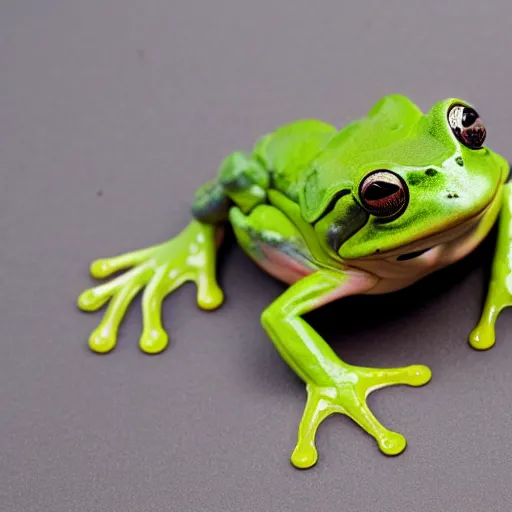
111	114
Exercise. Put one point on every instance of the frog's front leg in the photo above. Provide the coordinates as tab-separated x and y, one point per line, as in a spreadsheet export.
333	386
499	294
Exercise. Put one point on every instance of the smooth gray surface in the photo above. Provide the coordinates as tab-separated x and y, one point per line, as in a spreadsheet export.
141	101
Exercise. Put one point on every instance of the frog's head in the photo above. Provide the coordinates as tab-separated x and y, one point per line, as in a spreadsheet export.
398	179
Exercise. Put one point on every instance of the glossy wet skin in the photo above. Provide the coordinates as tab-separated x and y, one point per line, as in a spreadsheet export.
367	209
441	182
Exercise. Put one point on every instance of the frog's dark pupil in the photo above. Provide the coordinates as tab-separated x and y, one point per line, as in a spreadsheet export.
379	190
469	116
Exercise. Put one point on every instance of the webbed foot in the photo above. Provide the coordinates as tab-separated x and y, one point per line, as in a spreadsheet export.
161	269
347	395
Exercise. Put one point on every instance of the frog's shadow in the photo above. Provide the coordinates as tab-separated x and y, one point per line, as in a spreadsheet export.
351	325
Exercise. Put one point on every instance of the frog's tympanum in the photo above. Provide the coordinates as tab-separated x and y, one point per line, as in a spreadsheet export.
367	209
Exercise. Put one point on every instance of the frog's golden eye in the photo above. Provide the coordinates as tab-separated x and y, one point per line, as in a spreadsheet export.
383	193
467	126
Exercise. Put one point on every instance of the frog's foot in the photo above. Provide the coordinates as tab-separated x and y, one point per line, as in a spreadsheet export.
160	269
347	395
483	336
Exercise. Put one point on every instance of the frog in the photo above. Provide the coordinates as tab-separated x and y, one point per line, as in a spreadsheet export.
367	208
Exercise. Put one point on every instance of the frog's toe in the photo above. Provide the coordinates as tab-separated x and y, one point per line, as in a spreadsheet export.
318	408
102	340
414	375
418	375
482	337
209	296
100	268
304	456
153	341
392	443
89	300
104	267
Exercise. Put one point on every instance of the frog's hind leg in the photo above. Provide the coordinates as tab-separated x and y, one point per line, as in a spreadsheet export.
271	240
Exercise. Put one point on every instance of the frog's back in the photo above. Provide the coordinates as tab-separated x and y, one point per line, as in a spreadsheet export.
287	152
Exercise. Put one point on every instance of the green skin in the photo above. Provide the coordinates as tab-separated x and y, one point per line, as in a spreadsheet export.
295	206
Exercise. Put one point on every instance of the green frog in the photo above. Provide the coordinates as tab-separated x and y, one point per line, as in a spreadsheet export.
370	208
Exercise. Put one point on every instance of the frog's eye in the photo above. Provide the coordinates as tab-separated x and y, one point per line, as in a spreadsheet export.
467	126
383	193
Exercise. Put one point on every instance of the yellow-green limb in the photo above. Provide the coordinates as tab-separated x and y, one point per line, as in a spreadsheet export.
333	386
499	294
159	270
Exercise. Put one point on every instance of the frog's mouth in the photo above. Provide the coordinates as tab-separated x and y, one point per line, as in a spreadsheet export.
421	246
412	255
443	235
449	235
456	232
